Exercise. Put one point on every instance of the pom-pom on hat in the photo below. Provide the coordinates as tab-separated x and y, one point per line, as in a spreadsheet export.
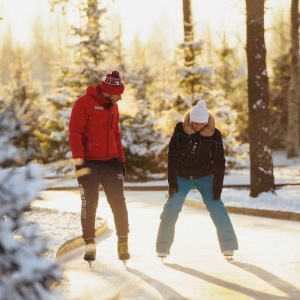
112	84
199	113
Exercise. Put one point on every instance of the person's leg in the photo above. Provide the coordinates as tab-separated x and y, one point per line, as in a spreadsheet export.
89	193
112	182
225	232
169	216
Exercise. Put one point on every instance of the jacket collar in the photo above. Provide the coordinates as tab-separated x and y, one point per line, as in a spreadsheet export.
95	92
208	130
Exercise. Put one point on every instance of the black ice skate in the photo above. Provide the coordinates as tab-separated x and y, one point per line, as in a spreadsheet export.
90	253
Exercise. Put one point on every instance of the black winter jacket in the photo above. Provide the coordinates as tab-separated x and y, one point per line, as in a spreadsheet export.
197	154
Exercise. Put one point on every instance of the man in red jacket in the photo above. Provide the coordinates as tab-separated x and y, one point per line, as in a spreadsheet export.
96	145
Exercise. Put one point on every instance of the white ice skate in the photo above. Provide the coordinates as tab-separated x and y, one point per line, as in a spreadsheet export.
228	254
162	255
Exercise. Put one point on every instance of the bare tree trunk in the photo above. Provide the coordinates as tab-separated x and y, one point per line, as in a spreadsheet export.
188	29
292	147
261	170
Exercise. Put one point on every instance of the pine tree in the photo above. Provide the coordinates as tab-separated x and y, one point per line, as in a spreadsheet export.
293	136
278	101
23	99
144	146
229	77
90	51
226	121
279	81
143	142
192	78
25	272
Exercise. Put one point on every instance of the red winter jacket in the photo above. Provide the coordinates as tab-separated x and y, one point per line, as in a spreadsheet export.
94	129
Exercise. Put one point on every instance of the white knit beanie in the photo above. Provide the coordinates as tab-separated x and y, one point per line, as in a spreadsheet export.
199	113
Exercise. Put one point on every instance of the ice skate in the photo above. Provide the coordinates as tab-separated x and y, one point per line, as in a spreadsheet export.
228	254
90	253
123	252
162	255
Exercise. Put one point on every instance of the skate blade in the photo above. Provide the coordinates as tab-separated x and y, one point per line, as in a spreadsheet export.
162	258
124	262
229	258
90	262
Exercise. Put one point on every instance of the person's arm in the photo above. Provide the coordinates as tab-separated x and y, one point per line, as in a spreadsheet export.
119	142
76	129
219	166
173	155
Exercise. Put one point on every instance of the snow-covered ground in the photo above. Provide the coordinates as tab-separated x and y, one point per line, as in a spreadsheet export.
60	220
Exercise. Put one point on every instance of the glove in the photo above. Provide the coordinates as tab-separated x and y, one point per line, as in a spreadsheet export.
79	163
81	169
78	167
173	188
124	170
216	195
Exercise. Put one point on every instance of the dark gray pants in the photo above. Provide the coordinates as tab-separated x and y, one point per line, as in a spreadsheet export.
110	175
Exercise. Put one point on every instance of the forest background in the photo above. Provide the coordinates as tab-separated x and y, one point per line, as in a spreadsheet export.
73	44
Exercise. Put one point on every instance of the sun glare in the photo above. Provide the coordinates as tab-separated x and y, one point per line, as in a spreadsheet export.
19	17
142	18
145	18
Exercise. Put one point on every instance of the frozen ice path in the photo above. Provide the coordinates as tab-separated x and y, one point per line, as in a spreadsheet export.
267	266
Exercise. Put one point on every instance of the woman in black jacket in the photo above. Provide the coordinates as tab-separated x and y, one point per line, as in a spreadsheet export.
196	160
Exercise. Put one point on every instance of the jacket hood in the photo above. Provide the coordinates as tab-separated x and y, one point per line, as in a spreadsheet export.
95	92
207	130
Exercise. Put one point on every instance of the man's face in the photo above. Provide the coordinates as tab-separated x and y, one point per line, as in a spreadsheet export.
113	99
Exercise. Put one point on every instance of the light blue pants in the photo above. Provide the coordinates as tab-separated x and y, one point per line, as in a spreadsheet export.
218	213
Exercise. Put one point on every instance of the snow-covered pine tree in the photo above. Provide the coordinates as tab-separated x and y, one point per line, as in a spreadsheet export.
229	76
278	101
193	78
161	92
143	145
195	83
143	142
89	50
25	273
280	77
22	97
226	121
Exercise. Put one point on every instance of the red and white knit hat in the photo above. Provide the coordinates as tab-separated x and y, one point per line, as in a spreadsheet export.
112	84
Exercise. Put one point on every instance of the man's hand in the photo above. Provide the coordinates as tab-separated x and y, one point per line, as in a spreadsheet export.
80	168
79	163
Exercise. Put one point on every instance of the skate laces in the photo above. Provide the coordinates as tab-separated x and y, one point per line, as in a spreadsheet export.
123	247
90	252
90	248
123	251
